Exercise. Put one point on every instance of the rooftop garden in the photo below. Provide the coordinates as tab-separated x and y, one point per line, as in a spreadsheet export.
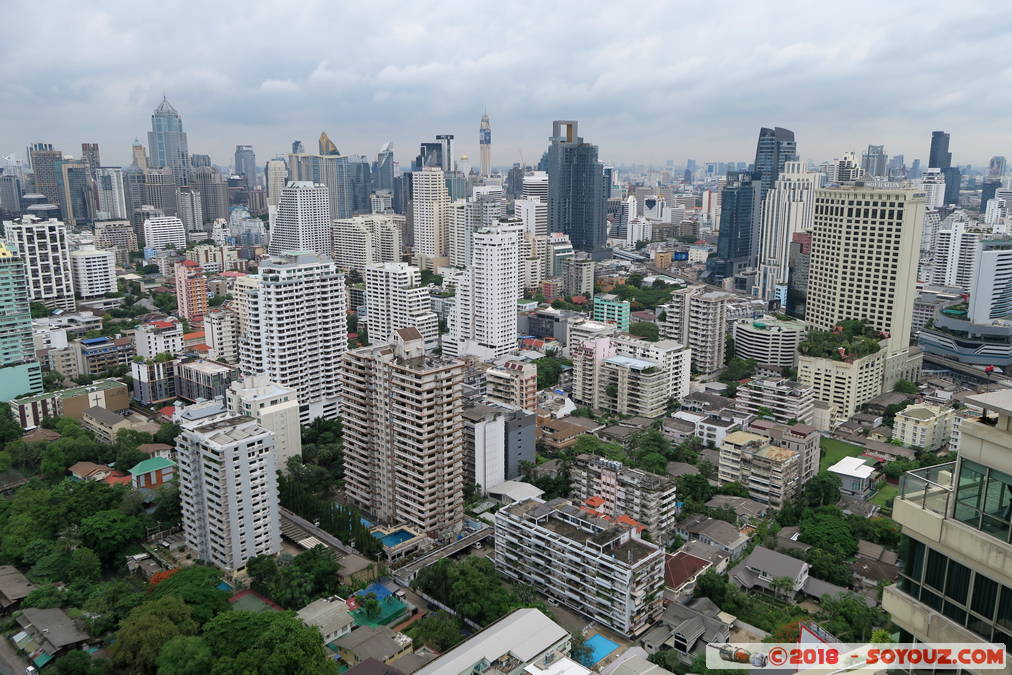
849	340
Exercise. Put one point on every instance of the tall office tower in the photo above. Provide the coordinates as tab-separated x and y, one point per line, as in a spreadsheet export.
939	156
213	189
954	254
535	184
383	169
94	272
697	317
738	239
788	209
167	142
133	188
360	174
430	154
430	213
90	155
775	148
275	408
445	142
197	161
988	188
228	489
485	143
305	290
20	372
303	222
46	171
915	170
298	148
403	434
514	183
366	240
875	161
162	231
865	244
160	190
329	170
327	146
10	195
110	198
997	166
395	298
139	155
191	291
933	184
483	320
78	197
953	182
576	201
44	249
897	167
190	208
955	583
275	178
246	164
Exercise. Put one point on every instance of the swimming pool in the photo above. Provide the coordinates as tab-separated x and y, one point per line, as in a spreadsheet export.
600	647
393	538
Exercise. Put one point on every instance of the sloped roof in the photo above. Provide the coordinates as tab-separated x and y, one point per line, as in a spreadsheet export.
151	464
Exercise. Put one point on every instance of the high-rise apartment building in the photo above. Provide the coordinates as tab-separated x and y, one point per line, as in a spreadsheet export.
534	212
162	231
110	198
768	340
697	318
228	490
43	247
403	434
778	398
991	289
430	204
361	241
221	333
774	149
395	298
535	184
497	440
933	184
865	244
94	272
275	408
167	142
246	164
789	208
514	383
117	236
303	222
294	326
191	291
485	145
576	191
46	171
329	170
190	208
771	474
483	209
955	583
159	190
213	188
275	178
158	337
20	372
957	245
875	162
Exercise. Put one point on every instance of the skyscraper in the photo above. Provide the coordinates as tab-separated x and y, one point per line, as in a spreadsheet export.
20	372
78	198
997	166
110	197
160	189
191	291
329	170
46	169
327	146
875	161
246	164
90	154
167	142
139	154
303	222
44	249
403	434
788	209
738	239
775	147
366	240
10	195
275	178
298	148
213	189
430	205
485	143
395	298
383	169
576	201
189	208
294	326
939	156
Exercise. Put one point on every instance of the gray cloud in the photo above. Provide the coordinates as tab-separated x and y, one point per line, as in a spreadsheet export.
648	82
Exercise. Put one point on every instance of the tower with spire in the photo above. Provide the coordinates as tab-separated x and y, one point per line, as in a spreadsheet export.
485	145
167	147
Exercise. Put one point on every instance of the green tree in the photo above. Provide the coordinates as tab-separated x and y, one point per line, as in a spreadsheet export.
733	489
39	310
580	651
197	586
848	616
881	636
78	662
84	566
438	631
110	532
145	631
782	586
108	603
693	487
827	529
822	490
906	387
185	655
369	604
266	643
646	330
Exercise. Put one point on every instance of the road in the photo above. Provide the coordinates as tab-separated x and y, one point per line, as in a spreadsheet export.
995	377
407	573
321	534
10	662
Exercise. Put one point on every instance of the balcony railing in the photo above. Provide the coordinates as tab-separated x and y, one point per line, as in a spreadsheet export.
930	488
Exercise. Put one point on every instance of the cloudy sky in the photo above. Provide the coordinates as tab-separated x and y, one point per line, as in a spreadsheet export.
648	81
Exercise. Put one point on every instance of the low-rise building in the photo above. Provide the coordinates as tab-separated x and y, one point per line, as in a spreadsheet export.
95	356
924	426
14	587
769	340
559	434
30	411
687	629
803	439
857	478
105	424
330	616
47	633
602	570
164	336
373	642
152	472
716	533
748	511
763	567
781	399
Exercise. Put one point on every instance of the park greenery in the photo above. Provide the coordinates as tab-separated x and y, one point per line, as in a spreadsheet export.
850	340
643	297
295	582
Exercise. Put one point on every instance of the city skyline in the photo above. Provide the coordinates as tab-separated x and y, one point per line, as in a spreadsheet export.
639	97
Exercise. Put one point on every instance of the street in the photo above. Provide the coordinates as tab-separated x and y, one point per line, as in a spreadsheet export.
10	662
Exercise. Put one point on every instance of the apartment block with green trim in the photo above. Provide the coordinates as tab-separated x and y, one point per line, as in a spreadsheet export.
20	372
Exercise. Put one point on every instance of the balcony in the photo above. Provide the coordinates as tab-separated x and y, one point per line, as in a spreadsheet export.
930	488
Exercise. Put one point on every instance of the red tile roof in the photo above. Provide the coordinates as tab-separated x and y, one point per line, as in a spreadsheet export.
680	567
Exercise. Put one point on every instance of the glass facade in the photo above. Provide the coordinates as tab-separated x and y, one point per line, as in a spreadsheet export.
984	499
969	598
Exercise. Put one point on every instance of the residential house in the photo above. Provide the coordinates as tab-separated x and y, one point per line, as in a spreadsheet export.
688	628
857	477
14	587
717	533
377	642
681	570
749	511
763	566
330	616
47	633
152	473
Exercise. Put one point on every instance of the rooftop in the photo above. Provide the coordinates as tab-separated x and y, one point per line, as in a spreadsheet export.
151	464
104	416
854	467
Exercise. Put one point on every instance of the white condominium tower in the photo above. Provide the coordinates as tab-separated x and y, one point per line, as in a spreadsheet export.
43	246
430	203
865	244
162	231
483	320
366	240
403	434
94	272
395	298
276	176
228	490
788	208
467	215
110	196
303	222
275	408
294	326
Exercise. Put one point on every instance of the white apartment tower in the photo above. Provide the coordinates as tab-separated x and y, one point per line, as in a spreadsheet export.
43	246
303	222
366	240
957	245
535	184
788	208
275	408
294	326
162	232
483	321
221	331
276	176
110	199
228	490
865	245
697	317
94	272
396	299
430	203
403	434
534	212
